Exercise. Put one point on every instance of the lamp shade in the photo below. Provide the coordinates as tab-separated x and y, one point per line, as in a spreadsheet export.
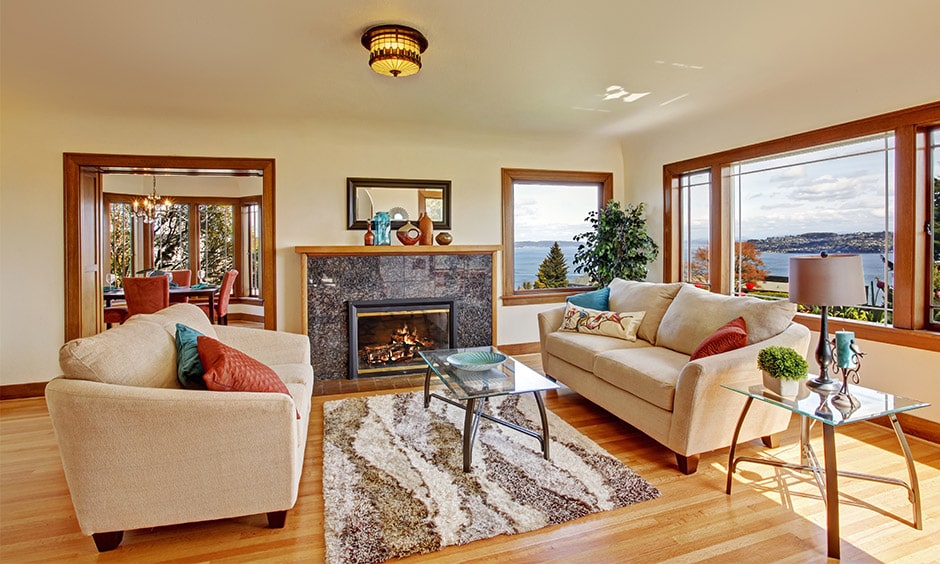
827	280
394	50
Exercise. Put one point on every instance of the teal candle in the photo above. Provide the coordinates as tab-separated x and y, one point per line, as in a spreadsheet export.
843	351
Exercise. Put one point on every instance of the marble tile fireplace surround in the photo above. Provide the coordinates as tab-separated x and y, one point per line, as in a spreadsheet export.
334	276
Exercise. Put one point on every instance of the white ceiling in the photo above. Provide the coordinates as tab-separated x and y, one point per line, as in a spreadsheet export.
530	66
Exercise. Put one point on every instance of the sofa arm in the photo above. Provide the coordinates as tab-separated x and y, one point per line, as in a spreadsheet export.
549	322
270	347
705	414
139	457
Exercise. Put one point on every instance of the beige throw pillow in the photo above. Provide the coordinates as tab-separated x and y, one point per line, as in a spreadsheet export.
612	324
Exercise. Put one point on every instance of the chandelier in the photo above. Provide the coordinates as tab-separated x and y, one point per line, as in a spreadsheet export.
150	208
394	50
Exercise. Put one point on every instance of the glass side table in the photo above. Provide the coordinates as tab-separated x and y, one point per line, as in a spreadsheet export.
815	407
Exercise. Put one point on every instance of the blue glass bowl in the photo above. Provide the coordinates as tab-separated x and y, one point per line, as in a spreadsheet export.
476	360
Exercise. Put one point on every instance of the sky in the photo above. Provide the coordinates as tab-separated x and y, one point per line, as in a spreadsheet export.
552	212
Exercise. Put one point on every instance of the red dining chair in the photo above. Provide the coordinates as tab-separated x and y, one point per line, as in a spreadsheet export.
114	315
146	294
182	278
221	304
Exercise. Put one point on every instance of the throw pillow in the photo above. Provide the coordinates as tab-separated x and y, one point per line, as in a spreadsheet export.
189	368
229	369
598	299
609	323
731	336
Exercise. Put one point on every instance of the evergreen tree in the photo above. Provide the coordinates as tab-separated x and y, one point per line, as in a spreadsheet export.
553	272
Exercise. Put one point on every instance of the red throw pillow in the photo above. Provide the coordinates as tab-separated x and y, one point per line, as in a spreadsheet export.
229	369
728	337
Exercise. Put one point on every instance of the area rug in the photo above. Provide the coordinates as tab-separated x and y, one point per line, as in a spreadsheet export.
394	485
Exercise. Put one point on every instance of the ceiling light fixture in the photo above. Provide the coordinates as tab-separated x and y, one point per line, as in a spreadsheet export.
617	92
394	50
149	208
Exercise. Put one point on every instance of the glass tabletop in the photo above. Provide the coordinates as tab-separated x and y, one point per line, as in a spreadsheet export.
510	377
826	408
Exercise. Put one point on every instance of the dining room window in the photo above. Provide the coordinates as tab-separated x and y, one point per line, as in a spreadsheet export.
171	239
216	240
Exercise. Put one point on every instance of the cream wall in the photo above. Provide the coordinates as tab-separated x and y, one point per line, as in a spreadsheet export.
313	161
900	370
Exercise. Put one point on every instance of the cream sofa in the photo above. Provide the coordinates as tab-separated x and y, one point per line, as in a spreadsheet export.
139	451
652	384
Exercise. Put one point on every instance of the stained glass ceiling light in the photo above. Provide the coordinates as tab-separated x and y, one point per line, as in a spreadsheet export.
394	50
150	208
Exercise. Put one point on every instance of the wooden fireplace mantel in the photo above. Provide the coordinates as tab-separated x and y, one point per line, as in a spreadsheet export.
379	250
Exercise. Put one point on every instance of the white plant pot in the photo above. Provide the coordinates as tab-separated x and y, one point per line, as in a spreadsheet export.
781	387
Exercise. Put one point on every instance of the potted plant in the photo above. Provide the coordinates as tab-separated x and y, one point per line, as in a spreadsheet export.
618	246
784	369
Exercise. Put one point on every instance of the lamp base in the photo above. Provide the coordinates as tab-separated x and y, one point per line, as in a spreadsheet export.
821	384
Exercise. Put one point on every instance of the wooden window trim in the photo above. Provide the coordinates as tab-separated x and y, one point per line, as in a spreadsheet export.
511	296
908	126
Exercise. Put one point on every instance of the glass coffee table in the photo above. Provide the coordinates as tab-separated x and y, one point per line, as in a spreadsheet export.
813	407
471	389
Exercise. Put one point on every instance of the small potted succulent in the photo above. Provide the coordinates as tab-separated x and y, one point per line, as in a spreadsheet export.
784	369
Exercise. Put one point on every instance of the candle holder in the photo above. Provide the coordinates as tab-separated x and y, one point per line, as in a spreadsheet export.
844	401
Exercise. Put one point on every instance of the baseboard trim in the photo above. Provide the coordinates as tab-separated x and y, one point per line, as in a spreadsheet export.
520	348
233	316
914	426
20	391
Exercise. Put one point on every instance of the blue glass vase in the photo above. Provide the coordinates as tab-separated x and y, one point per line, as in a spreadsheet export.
382	225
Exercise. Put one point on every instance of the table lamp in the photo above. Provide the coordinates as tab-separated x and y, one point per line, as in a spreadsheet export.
826	280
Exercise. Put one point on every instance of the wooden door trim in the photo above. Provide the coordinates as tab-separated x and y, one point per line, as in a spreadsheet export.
74	162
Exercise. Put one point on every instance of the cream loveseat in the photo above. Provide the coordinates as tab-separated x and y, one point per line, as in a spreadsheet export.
140	451
652	384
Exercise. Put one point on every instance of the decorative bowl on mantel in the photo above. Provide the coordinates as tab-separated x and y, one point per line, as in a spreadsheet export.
476	360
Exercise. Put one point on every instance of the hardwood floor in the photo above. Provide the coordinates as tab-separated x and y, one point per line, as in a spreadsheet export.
773	515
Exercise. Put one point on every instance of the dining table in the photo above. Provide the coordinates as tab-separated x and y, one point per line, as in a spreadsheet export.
208	292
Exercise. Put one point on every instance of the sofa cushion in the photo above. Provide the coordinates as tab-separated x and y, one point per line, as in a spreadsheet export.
229	369
579	348
695	314
649	373
185	313
137	353
189	368
598	299
653	298
730	336
612	324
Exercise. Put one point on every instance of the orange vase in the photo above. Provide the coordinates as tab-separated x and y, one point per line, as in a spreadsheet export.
426	225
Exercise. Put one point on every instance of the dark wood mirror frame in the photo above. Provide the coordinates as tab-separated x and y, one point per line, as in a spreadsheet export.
82	211
353	184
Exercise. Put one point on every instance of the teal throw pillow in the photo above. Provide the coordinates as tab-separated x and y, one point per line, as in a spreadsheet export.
189	368
598	299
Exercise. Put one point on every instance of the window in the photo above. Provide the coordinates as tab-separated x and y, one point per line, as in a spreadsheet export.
836	198
542	212
933	266
868	187
695	188
226	234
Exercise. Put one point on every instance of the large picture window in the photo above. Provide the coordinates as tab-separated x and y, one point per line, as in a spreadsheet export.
868	187
542	212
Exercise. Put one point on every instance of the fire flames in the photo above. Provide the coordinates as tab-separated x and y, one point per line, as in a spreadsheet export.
404	344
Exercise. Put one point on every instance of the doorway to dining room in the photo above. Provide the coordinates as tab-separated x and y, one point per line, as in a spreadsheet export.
96	183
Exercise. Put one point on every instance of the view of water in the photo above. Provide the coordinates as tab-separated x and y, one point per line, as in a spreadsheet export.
528	259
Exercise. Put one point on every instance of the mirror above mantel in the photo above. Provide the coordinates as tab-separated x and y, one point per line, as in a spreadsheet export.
404	199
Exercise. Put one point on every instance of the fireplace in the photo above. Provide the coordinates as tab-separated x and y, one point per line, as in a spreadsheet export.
385	336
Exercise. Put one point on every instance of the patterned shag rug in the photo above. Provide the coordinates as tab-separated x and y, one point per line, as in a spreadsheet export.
393	480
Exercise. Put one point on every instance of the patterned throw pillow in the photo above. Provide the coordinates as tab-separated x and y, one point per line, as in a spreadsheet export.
229	369
728	337
609	323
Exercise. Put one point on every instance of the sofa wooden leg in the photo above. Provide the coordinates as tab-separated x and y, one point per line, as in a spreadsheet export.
687	464
771	441
276	519
108	541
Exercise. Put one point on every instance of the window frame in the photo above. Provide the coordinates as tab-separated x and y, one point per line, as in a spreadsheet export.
510	295
909	127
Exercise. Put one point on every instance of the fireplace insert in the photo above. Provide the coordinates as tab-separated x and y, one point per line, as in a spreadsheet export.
386	335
